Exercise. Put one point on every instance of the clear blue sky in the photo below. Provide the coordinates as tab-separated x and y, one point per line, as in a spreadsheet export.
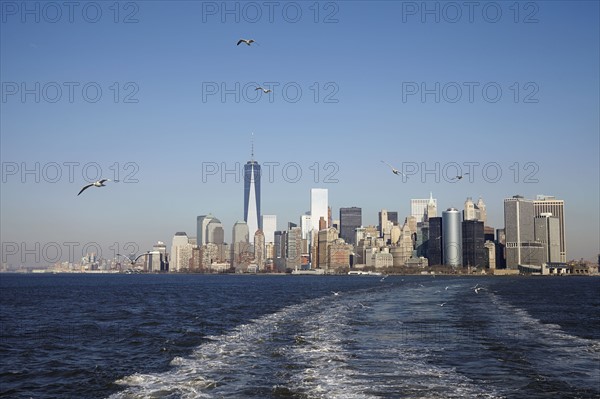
368	61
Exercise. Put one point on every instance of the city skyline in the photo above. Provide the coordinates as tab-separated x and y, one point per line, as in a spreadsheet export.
176	111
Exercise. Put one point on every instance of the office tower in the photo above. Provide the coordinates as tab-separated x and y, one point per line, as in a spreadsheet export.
547	231
392	217
157	262
431	210
383	222
339	254
252	194
318	206
269	226
305	224
181	252
549	204
279	256
422	238
469	212
325	238
294	248
291	225
404	248
475	211
419	208
473	243
240	246
259	249
350	220
521	247
214	232
451	237
201	224
500	249
490	254
482	212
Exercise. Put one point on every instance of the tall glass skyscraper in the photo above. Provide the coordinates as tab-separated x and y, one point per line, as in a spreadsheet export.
252	195
451	237
350	220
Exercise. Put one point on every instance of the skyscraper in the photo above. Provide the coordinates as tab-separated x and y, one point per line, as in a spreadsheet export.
419	208
252	194
269	226
240	244
181	252
521	247
201	223
214	232
318	206
549	204
473	248
431	211
350	219
451	237
547	231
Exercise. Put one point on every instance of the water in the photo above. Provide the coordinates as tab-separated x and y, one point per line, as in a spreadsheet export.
196	336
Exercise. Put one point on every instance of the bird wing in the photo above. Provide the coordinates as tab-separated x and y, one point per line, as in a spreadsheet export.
259	88
84	188
240	41
139	256
103	180
388	164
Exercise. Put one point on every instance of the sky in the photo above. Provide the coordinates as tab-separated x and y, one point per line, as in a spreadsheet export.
158	95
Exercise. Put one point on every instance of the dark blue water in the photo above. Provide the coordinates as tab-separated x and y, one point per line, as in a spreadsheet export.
194	336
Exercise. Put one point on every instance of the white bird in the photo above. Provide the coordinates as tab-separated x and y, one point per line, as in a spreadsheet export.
478	289
99	183
264	90
447	288
247	41
132	258
364	306
335	293
459	177
442	304
394	170
384	277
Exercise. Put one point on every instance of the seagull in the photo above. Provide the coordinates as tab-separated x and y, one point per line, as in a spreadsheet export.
447	287
247	41
394	170
384	277
364	306
132	258
264	90
459	177
99	183
479	289
442	304
335	293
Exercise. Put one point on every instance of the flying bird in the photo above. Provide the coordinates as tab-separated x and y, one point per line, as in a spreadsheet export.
459	177
264	90
335	293
132	258
394	170
99	183
442	304
247	41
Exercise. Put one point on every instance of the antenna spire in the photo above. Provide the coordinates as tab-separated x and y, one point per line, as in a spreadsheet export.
252	147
